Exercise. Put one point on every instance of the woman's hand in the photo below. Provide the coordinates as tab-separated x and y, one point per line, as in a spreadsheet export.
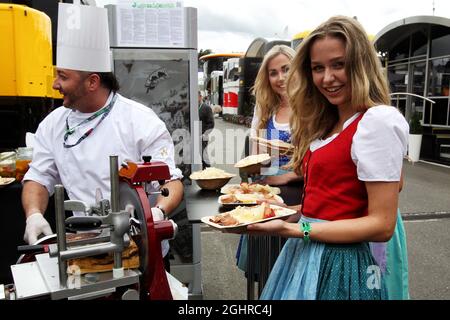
272	227
282	179
276	180
294	218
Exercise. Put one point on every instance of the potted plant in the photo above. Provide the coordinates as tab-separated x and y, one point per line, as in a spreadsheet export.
415	137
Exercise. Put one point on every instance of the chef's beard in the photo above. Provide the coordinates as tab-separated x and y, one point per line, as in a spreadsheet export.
74	100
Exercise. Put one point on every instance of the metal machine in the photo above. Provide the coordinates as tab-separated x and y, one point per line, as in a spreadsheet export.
43	271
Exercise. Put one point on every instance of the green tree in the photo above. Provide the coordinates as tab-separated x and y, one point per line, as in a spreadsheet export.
202	53
415	127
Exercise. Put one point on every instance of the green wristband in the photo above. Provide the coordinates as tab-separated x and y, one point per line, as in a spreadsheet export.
305	227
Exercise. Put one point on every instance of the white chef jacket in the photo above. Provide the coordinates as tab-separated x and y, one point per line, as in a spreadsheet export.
130	131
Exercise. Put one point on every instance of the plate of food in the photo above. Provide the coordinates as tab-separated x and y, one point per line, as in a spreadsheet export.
211	178
274	146
251	160
246	199
6	181
236	220
252	164
245	187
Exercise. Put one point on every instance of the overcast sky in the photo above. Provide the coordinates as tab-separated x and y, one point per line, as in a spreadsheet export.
231	25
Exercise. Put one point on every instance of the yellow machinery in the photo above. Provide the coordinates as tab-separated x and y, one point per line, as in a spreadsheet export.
298	38
26	93
25	52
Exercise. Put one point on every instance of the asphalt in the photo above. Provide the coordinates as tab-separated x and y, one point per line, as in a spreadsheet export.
424	203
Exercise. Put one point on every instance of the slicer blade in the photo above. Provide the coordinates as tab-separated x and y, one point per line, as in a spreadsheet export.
128	196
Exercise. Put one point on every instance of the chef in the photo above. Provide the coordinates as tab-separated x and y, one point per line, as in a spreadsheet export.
74	142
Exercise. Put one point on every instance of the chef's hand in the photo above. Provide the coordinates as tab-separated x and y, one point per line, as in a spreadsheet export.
157	214
36	224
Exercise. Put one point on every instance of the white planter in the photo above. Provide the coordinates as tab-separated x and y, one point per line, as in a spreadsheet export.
415	141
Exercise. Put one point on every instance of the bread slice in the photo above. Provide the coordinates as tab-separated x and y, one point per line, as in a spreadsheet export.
105	262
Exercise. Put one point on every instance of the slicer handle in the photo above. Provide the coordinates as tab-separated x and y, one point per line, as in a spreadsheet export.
147	158
76	205
83	223
37	248
165	192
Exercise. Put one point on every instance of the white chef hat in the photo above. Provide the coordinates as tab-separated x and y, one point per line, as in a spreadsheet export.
83	38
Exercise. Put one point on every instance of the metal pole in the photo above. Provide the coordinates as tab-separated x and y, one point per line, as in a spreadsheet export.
412	95
114	178
250	267
61	233
264	249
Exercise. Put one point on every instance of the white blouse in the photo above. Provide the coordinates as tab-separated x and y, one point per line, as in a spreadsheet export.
379	144
255	122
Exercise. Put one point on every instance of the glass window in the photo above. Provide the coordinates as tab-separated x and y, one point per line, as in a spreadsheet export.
440	41
419	42
427	113
400	51
440	111
398	78
439	77
418	80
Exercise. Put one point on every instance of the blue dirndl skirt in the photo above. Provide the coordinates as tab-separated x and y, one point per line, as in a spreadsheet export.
392	257
319	271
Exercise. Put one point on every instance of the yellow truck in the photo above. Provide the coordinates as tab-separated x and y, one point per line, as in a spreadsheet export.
26	72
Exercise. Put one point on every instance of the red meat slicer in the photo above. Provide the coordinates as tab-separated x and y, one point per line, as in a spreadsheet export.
134	178
43	271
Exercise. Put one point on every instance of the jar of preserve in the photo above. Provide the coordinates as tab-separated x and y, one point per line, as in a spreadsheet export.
8	164
23	159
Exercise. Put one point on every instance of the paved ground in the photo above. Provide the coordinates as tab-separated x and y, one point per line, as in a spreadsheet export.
429	258
426	190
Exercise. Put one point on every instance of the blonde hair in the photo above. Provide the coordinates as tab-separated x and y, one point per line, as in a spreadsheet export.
267	100
313	117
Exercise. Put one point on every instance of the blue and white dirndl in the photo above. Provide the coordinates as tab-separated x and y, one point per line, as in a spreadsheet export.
314	270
